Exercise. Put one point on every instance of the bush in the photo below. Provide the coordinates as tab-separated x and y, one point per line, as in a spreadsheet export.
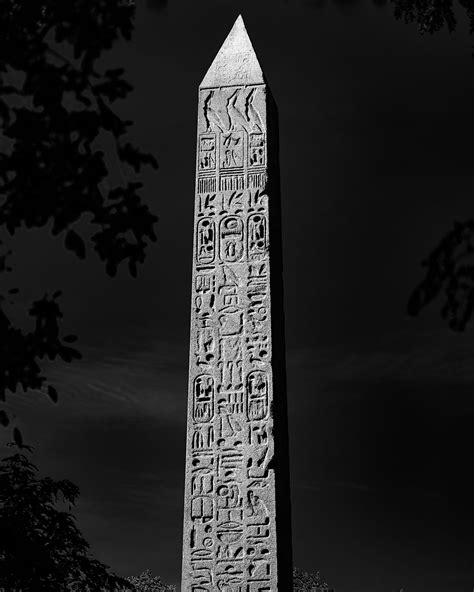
308	582
146	582
41	548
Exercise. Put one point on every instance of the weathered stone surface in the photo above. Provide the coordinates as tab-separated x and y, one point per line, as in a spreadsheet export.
237	534
235	63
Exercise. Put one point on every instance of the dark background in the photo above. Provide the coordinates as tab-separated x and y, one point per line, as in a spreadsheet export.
376	129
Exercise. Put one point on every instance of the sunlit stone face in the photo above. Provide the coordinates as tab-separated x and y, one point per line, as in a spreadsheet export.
230	534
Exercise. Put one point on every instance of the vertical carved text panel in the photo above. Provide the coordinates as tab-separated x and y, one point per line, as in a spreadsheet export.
229	523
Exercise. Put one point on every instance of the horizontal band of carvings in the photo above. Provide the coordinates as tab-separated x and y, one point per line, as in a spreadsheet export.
253	401
232	239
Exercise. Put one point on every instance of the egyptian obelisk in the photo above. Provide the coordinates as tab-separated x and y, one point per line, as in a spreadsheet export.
237	527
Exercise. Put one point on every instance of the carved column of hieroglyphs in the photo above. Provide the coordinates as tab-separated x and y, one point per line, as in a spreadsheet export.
230	541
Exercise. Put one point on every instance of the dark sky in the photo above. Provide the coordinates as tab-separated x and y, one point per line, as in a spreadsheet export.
376	129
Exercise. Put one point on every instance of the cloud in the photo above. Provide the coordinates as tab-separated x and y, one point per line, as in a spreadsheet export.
434	356
115	380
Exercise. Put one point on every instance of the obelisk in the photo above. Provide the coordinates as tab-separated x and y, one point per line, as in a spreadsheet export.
237	529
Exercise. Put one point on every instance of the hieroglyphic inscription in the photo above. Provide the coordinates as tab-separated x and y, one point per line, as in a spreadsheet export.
257	236
206	241
232	150
207	152
232	146
257	395
203	410
229	523
256	150
231	239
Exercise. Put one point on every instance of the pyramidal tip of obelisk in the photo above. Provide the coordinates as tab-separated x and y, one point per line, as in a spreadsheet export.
235	62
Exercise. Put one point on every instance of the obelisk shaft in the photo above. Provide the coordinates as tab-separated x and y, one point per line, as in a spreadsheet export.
237	457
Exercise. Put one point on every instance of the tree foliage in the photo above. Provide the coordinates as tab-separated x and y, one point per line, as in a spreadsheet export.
56	107
433	15
146	582
41	548
450	265
449	270
308	582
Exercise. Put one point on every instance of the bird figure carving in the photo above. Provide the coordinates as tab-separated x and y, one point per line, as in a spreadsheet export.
211	116
235	116
252	114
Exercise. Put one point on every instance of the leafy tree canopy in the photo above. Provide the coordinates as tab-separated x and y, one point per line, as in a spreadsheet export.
308	582
146	582
450	265
41	548
449	269
433	15
56	104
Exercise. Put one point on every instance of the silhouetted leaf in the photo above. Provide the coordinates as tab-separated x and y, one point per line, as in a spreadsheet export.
114	87
70	338
17	437
68	354
75	243
53	394
136	159
4	419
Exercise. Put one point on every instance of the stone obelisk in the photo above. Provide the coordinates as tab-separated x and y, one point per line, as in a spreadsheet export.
237	530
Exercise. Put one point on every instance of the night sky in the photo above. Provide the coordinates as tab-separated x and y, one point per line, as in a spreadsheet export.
376	164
